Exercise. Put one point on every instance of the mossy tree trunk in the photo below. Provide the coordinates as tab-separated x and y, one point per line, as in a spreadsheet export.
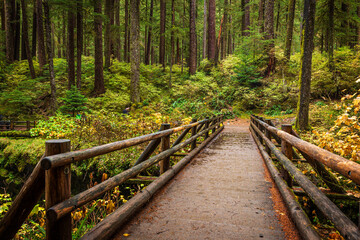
99	87
25	38
192	47
211	44
40	34
79	41
269	36
135	50
289	29
307	46
71	48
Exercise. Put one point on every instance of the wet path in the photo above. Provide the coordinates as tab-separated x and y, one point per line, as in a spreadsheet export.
221	194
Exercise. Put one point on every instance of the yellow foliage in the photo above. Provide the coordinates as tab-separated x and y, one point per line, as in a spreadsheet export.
343	138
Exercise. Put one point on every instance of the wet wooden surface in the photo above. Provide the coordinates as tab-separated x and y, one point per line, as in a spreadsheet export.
221	194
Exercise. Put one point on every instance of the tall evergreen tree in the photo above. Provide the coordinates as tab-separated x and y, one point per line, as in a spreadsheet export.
211	43
135	50
289	28
192	47
71	48
25	38
40	34
269	35
99	87
307	46
162	32
79	40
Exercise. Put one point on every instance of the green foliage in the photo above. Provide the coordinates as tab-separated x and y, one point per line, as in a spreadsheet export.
74	101
14	134
247	74
58	126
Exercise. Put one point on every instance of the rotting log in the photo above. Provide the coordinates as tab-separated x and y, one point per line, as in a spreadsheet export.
337	163
299	217
110	225
88	195
75	156
57	189
24	202
342	223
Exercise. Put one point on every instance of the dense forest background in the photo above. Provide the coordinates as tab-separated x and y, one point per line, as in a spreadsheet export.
74	66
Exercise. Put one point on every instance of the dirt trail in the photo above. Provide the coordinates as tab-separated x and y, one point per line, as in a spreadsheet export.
221	194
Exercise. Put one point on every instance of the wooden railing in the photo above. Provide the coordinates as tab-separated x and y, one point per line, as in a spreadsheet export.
53	173
263	132
16	125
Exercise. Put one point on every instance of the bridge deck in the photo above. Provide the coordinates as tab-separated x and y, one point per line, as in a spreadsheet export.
221	194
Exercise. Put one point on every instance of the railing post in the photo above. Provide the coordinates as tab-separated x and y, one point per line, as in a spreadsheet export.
268	135
28	125
193	133
57	189
12	125
165	144
286	149
214	123
206	126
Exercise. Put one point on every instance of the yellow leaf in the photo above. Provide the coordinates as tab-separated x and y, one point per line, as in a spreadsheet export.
126	234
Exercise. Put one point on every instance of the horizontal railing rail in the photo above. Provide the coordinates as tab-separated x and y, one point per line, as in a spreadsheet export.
52	173
263	132
16	125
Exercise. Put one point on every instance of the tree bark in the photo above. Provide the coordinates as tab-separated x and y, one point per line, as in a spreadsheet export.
34	31
107	35
79	41
192	48
49	50
204	30
302	118
172	38
269	35
224	31
162	33
358	26
40	35
135	50
99	87
330	33
245	23
289	28
2	15
17	32
211	32
71	48
25	38
64	45
261	16
148	44
126	25
9	30
117	32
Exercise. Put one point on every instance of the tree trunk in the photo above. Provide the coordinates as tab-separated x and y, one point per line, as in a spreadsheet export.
148	44
40	35
117	32
64	46
230	41
277	20
71	48
9	30
99	87
245	23
289	29
49	50
79	41
358	26
302	118
126	25
107	35
192	47
261	15
172	40
330	37
204	30
17	32
162	33
25	38
34	31
211	32
2	15
135	50
269	35
224	31
178	56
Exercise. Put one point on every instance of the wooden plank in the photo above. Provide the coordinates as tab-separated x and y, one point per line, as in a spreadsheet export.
165	145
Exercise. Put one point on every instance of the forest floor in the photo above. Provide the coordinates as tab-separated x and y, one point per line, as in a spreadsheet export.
224	193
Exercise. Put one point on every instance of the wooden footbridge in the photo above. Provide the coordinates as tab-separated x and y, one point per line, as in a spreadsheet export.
220	194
